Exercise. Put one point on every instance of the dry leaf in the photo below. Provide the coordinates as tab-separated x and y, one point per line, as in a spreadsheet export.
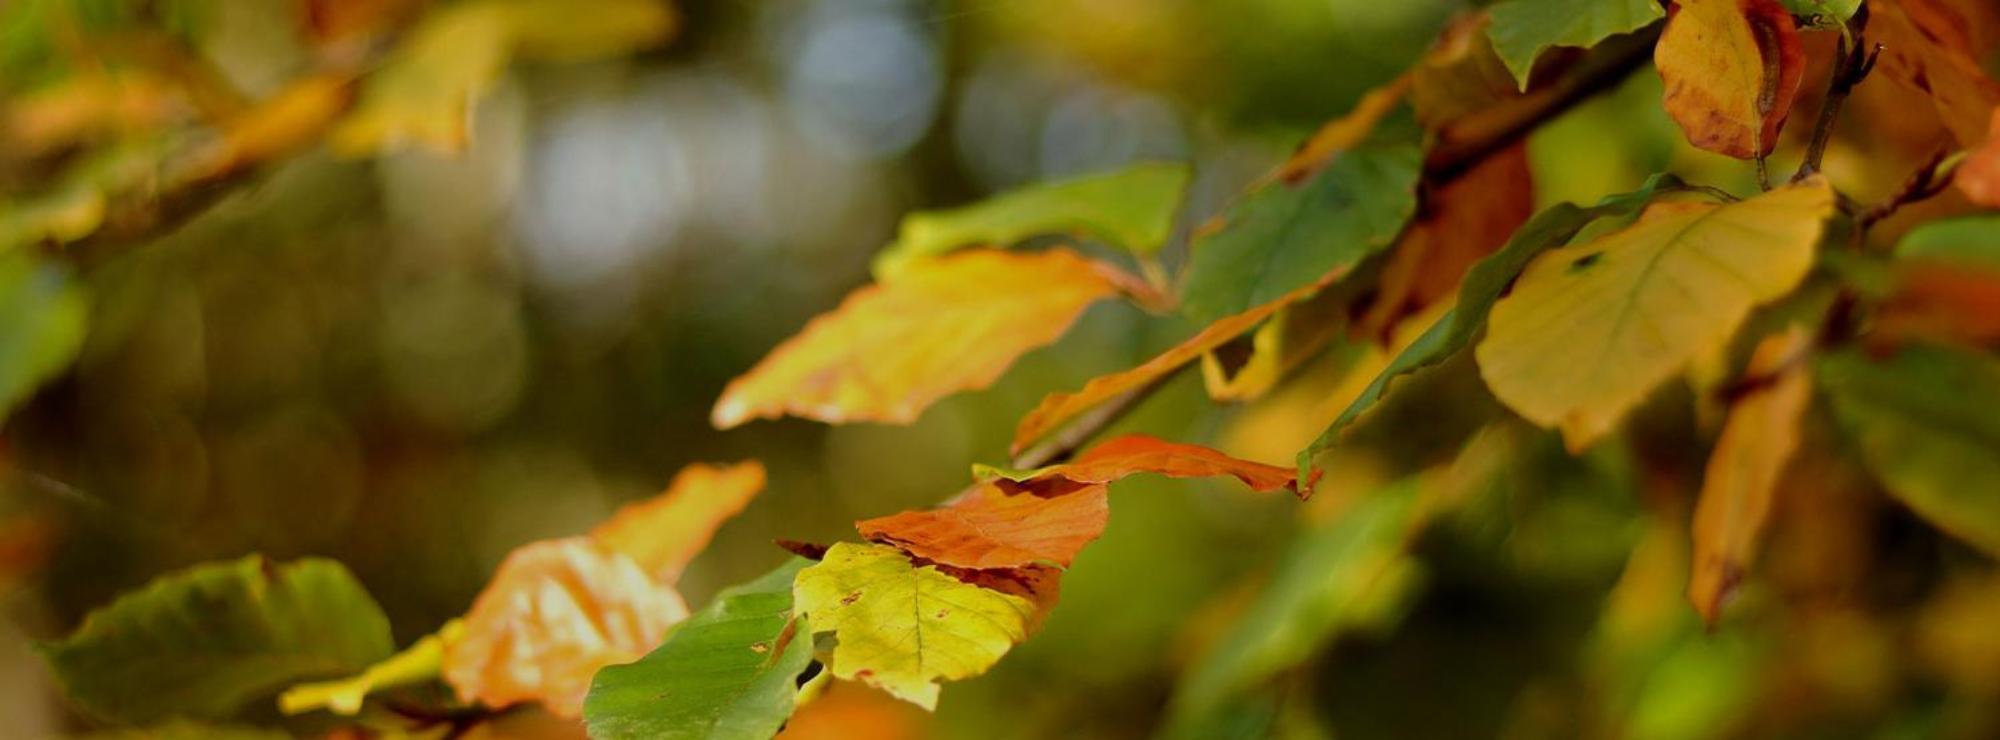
1928	46
991	528
1737	491
1732	69
1138	453
932	329
1979	176
557	611
663	533
1459	222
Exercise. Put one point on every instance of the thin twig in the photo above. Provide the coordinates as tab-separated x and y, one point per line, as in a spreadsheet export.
1854	59
1929	180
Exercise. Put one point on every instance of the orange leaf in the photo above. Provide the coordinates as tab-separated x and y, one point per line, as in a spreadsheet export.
557	611
991	528
938	327
1138	453
1928	47
1979	176
852	710
663	533
1757	442
1458	223
1944	302
1732	69
1058	408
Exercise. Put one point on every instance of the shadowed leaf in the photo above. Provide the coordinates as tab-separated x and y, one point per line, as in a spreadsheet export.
1132	208
1757	443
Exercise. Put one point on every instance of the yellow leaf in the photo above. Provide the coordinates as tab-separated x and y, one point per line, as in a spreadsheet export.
1742	478
557	611
901	627
927	331
1591	328
418	662
663	533
1731	69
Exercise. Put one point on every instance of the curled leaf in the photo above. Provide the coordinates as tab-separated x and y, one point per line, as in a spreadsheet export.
1117	458
1732	69
663	533
992	528
419	662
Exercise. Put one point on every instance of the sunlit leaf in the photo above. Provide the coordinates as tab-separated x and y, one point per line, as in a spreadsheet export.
1923	419
1481	287
1979	175
1132	208
1523	29
1826	12
1283	236
991	528
663	533
1741	480
940	326
903	627
729	671
556	612
420	662
289	121
204	642
1590	329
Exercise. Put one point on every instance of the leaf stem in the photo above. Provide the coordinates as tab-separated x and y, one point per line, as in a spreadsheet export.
1854	59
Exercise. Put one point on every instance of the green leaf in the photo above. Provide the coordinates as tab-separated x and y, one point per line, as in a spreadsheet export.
1352	573
1132	208
1823	13
1283	237
1522	29
43	314
204	641
1924	420
902	627
730	671
1483	284
1971	240
420	662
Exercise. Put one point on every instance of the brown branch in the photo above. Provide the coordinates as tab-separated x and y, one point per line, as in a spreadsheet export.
1930	179
1853	61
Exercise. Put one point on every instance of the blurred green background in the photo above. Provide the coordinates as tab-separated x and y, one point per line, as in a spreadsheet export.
415	363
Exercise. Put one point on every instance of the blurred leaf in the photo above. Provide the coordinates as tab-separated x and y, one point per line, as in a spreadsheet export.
1826	12
1978	176
1460	222
1057	409
556	612
1741	480
1928	47
729	671
846	710
285	123
1590	329
1484	281
1969	241
1340	135
1924	421
1282	237
43	317
1732	69
423	95
992	528
902	627
418	663
204	641
1461	75
186	730
939	327
1351	573
663	533
1132	208
1116	458
1523	29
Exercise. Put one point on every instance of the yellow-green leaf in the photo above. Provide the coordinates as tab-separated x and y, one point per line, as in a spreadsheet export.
419	662
903	627
1132	208
1592	328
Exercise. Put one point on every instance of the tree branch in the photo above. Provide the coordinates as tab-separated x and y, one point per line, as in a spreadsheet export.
1853	62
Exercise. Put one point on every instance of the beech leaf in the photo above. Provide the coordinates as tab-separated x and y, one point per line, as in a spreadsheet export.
663	533
902	627
556	612
1741	480
1928	47
938	327
1116	458
203	642
729	672
419	662
1522	29
991	528
1732	69
43	316
1590	329
1132	208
